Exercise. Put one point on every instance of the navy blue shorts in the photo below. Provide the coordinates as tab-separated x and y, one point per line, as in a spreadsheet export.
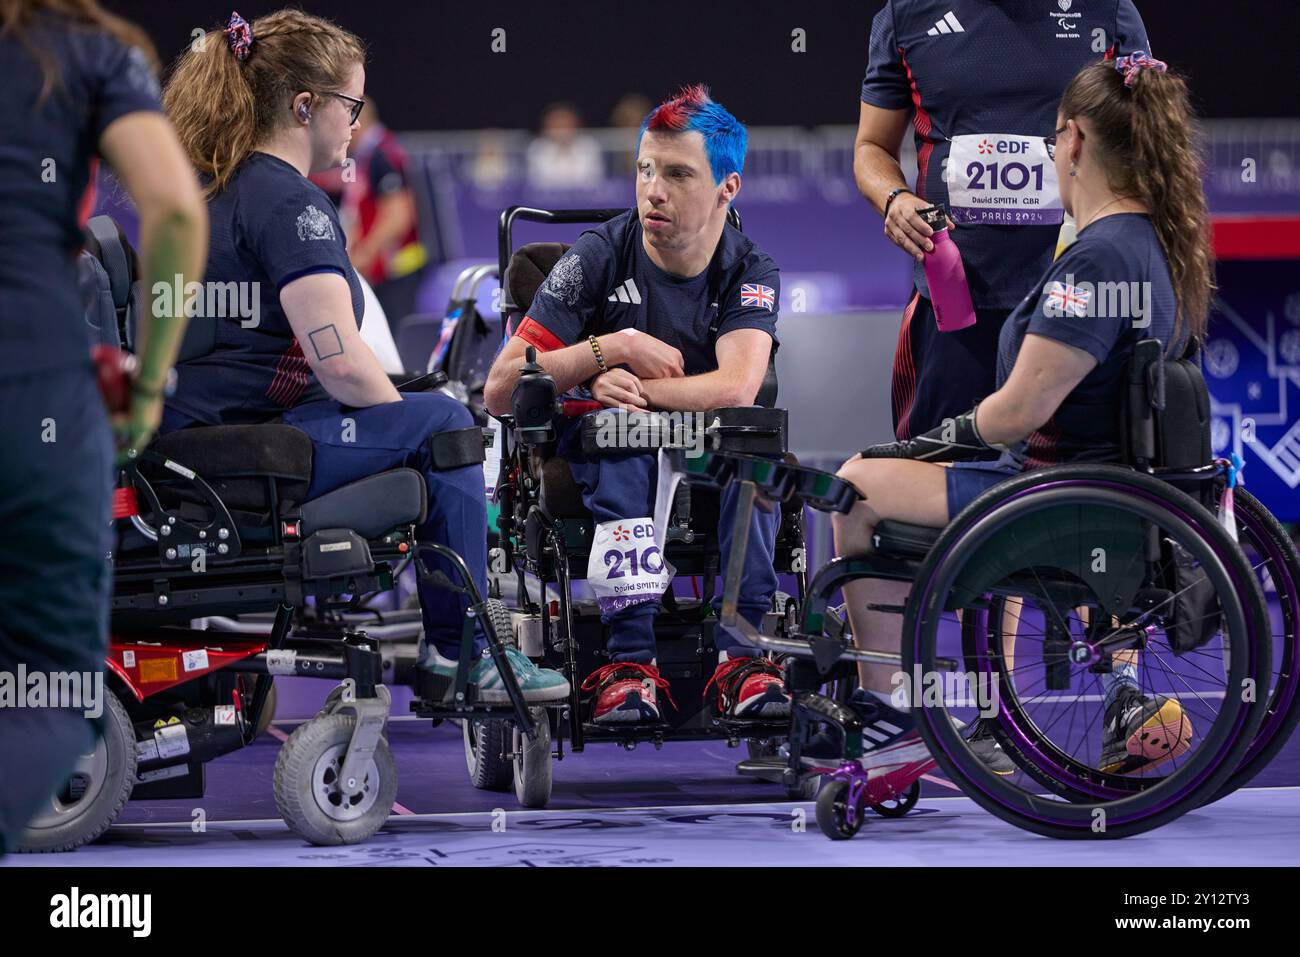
966	481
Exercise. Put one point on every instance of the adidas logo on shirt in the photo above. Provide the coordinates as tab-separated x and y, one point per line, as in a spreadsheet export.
627	292
949	24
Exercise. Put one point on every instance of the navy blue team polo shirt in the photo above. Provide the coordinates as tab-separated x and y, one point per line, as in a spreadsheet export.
270	226
44	169
607	282
984	79
1109	290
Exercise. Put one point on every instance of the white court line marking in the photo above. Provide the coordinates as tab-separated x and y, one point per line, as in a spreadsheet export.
589	810
942	782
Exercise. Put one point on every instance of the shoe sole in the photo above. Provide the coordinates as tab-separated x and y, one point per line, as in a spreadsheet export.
532	696
772	703
1165	735
633	710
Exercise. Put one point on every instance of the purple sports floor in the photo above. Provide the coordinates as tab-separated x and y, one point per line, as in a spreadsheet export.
683	805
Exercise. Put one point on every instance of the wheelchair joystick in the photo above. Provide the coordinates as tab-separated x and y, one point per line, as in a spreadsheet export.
533	402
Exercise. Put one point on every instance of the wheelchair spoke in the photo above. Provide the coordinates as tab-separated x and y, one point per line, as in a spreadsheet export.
1196	694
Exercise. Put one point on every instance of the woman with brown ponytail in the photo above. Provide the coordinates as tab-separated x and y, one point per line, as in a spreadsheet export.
1131	177
77	82
259	106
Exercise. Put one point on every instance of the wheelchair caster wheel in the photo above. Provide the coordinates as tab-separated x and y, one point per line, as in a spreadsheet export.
95	792
833	812
307	787
532	762
901	804
486	746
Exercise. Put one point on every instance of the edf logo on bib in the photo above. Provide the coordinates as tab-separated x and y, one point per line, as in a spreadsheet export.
625	533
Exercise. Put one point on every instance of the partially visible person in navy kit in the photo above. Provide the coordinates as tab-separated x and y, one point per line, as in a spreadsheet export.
77	82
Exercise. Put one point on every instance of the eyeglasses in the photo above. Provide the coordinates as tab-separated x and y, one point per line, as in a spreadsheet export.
356	105
1051	142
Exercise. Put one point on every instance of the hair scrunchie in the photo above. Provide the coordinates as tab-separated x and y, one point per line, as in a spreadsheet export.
239	32
1134	64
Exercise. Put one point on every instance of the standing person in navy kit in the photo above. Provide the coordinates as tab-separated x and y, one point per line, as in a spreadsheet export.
628	309
258	111
77	81
980	81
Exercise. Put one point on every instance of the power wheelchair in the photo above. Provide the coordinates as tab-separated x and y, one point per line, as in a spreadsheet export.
1033	590
546	533
214	522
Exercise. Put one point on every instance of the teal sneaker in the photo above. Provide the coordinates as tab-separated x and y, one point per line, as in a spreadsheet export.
537	684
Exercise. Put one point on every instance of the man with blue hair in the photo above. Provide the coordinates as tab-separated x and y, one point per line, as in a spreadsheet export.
664	307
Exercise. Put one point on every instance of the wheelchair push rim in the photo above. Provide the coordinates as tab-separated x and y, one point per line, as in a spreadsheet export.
1123	811
1260	530
1260	538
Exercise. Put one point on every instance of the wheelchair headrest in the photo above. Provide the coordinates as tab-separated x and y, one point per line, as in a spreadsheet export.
528	269
107	243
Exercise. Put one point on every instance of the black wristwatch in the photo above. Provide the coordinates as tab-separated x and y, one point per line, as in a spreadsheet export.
893	195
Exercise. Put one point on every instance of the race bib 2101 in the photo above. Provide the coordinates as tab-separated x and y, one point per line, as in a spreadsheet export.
1002	179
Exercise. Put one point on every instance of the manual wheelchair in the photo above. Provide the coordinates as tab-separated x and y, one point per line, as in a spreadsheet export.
213	522
546	535
1033	590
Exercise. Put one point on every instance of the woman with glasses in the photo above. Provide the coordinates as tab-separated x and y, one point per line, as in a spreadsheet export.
1130	174
259	106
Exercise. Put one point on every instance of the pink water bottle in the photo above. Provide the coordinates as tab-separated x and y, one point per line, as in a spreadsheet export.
945	276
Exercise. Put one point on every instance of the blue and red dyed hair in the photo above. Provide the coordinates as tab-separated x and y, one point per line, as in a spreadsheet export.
693	110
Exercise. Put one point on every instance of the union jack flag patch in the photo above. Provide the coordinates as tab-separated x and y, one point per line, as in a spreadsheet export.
1067	300
752	294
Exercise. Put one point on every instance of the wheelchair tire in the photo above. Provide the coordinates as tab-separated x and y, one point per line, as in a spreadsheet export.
532	762
487	740
502	623
486	743
1258	529
96	791
832	812
306	784
1277	555
900	805
1116	806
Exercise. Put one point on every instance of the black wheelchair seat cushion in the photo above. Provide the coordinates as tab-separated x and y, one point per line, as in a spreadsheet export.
903	538
370	506
237	461
272	449
528	269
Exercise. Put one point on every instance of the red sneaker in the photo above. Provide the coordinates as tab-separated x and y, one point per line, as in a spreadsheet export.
749	688
625	691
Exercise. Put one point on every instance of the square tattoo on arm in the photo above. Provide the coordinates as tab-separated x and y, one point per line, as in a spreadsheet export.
326	342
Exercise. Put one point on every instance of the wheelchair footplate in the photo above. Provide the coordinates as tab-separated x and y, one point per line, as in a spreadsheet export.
732	730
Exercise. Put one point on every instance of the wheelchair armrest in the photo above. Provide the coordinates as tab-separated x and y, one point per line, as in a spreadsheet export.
428	382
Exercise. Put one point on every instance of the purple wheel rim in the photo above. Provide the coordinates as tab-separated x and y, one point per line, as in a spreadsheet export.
1017	735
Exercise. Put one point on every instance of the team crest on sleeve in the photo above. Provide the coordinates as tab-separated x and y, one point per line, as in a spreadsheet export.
565	281
752	294
1064	299
314	224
